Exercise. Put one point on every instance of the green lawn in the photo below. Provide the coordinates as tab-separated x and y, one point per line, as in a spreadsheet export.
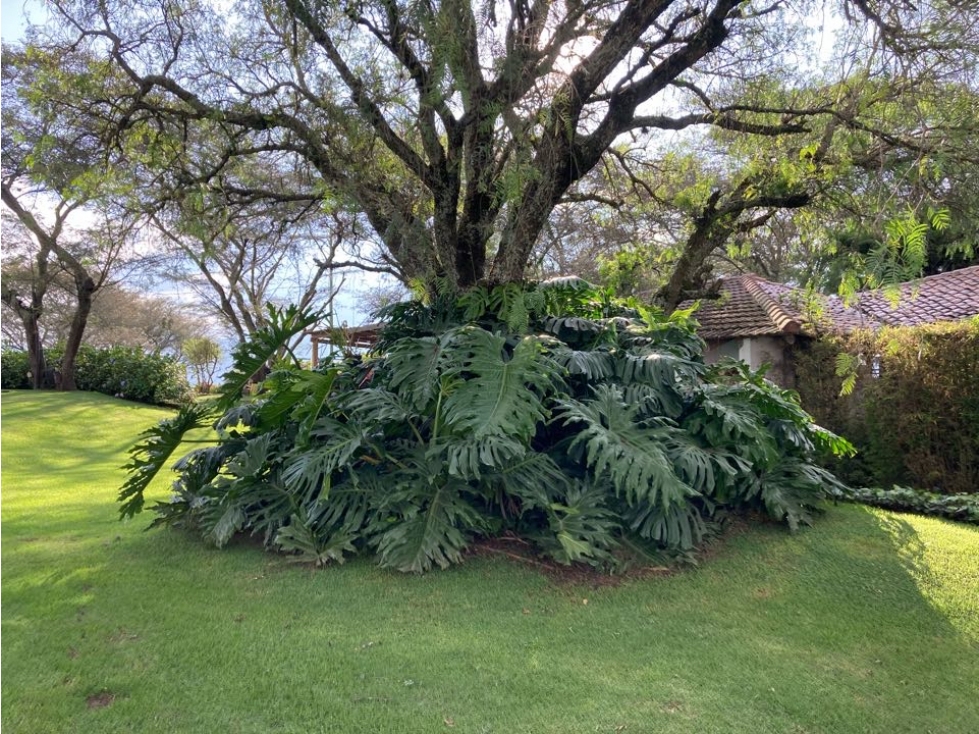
868	622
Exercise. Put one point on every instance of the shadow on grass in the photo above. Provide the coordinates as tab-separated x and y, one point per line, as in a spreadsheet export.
825	630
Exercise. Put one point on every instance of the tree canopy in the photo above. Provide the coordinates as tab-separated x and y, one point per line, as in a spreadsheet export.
455	128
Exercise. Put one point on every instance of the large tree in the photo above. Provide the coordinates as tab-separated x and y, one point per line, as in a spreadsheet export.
61	186
455	128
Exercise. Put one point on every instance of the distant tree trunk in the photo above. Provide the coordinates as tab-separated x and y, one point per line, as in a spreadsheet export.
30	315
35	353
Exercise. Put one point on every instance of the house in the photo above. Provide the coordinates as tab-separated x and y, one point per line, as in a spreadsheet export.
758	321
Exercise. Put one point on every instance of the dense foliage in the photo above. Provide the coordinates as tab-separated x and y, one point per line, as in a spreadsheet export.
124	372
589	428
14	370
914	409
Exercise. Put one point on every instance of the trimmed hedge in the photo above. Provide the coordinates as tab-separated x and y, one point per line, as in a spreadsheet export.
914	412
124	372
962	507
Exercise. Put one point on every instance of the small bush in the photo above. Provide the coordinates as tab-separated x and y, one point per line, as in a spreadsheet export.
132	374
14	370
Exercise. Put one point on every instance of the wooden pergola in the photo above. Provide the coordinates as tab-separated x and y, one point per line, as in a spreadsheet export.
359	337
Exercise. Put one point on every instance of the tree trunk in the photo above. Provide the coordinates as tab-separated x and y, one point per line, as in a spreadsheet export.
85	289
35	352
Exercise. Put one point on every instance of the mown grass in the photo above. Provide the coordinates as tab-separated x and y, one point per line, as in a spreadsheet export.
868	622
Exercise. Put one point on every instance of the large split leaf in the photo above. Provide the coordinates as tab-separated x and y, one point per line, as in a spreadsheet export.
632	457
497	394
150	455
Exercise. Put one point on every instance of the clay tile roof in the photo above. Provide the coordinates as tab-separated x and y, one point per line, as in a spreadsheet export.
748	306
752	306
950	296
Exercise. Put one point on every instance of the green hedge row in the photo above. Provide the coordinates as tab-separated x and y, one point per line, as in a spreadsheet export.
962	507
123	372
914	412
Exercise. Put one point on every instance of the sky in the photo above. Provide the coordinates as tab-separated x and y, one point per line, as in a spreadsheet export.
14	15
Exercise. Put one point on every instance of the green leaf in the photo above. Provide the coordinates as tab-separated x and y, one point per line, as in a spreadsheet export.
415	365
616	448
429	534
309	543
336	443
583	527
497	396
264	344
158	444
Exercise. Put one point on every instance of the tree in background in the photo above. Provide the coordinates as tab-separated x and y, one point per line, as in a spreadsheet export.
236	254
456	128
59	185
202	355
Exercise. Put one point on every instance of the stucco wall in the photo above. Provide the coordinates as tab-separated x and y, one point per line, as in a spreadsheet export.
756	351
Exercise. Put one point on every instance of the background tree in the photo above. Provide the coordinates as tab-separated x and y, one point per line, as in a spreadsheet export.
238	258
202	355
456	128
55	171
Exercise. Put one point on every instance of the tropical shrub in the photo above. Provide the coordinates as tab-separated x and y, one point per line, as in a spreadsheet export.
591	428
